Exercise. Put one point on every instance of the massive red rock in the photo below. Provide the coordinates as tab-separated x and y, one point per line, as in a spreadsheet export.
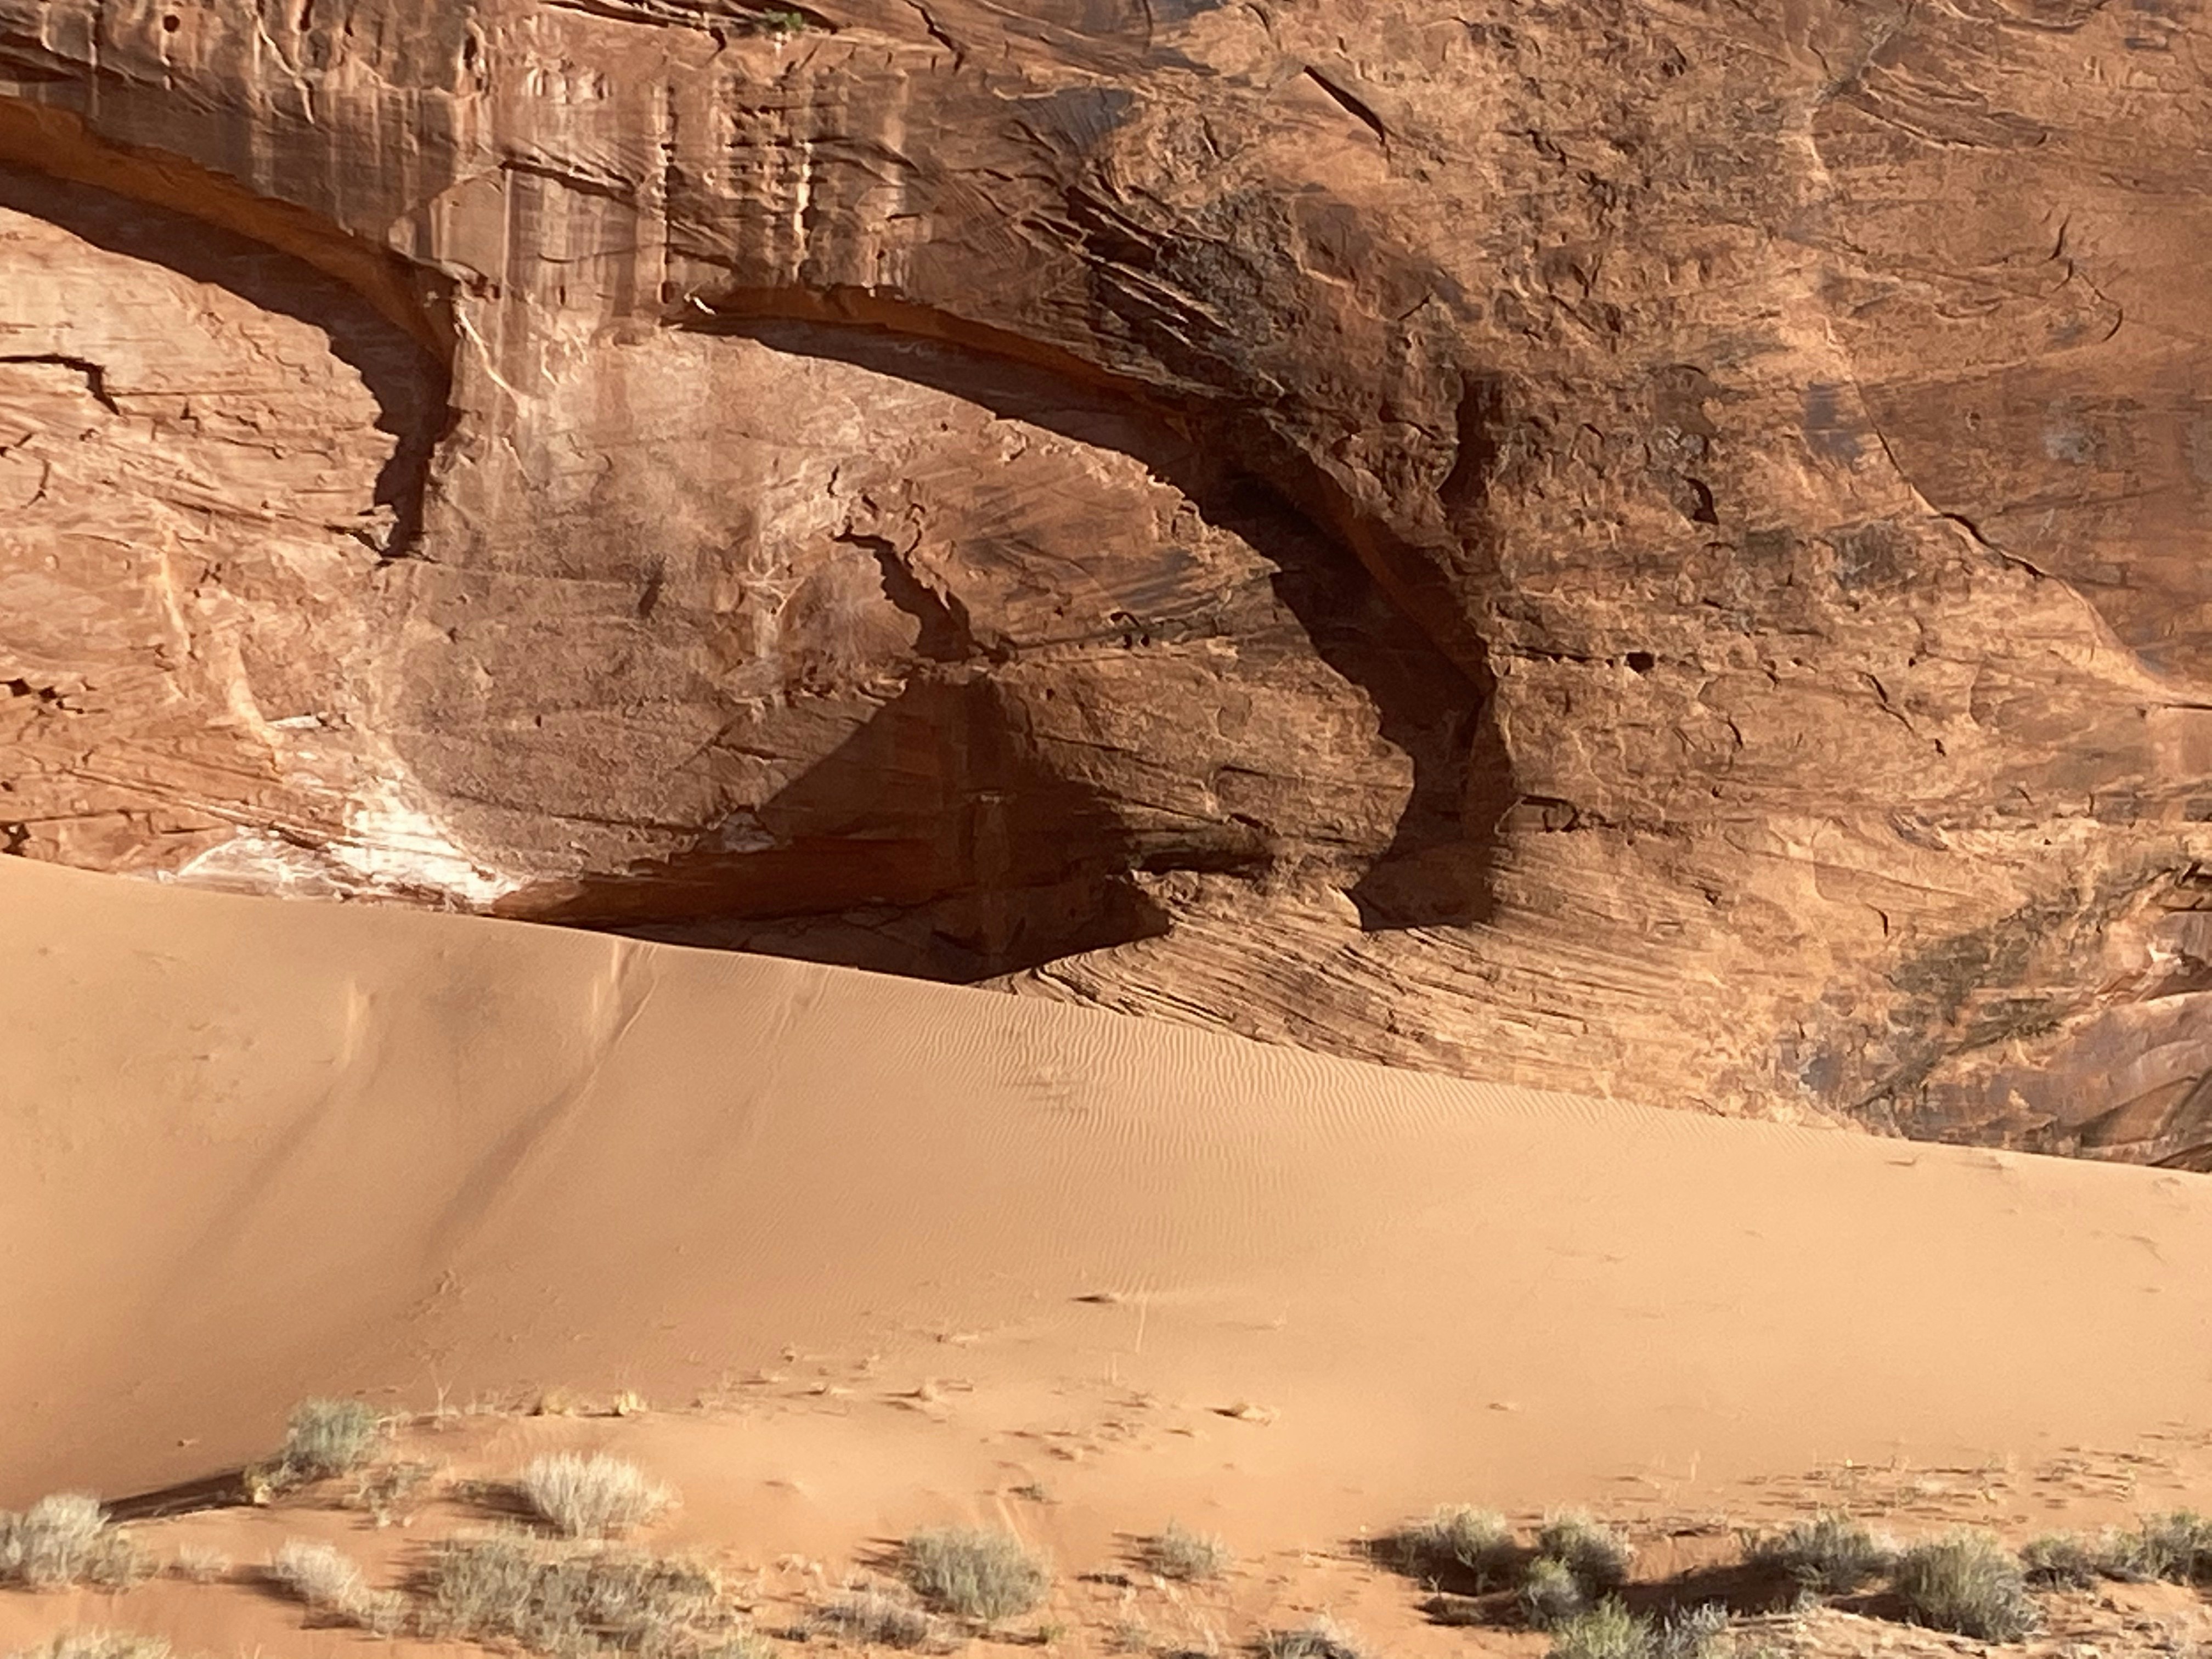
1646	548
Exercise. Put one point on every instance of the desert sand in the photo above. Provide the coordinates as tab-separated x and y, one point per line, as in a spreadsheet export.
932	1243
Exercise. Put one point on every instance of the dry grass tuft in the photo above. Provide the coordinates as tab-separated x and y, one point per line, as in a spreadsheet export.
1702	1632
391	1492
2176	1547
1610	1630
594	1497
328	1583
1829	1555
1191	1557
571	1603
1550	1594
199	1565
64	1540
1130	1635
1967	1583
1478	1542
976	1574
1598	1557
1607	1631
869	1616
1324	1638
2065	1559
97	1645
740	1645
326	1437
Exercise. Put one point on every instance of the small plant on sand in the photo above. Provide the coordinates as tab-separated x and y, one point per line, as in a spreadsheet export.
1550	1593
1191	1557
1699	1632
391	1492
1607	1631
328	1583
780	20
1323	1638
64	1539
1967	1583
1458	1536
97	1645
1610	1630
980	1575
1598	1557
2064	1559
570	1602
594	1497
862	1614
1829	1555
322	1438
2176	1546
197	1564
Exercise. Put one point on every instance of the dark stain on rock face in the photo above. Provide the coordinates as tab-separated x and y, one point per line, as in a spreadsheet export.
1966	994
1077	119
1870	556
1827	433
1481	415
1182	11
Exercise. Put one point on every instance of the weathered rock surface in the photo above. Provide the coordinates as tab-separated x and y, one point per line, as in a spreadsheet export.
1655	548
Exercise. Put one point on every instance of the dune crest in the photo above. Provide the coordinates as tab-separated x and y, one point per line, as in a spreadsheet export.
258	1152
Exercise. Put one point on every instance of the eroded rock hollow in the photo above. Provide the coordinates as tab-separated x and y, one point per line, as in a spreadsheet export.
1653	549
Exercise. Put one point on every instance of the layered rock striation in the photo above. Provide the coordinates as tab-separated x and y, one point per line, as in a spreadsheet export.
1641	548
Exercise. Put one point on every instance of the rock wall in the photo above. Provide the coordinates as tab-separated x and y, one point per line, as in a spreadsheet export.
1647	548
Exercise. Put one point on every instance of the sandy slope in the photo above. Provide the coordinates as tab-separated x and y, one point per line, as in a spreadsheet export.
254	1150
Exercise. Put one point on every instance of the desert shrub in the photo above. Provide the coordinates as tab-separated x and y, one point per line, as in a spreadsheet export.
2063	1559
974	1573
1607	1631
1172	1552
1323	1639
570	1603
1700	1633
860	1614
1829	1555
62	1540
390	1491
1610	1630
199	1564
325	1438
1967	1583
316	1574
1477	1541
1598	1557
1550	1594
2176	1546
594	1497
97	1645
327	1582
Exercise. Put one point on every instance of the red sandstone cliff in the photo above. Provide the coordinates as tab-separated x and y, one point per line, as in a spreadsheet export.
1655	548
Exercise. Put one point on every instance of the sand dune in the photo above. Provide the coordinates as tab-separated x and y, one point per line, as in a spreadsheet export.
255	1150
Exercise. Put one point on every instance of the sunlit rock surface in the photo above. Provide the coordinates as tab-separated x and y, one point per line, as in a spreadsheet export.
1642	548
